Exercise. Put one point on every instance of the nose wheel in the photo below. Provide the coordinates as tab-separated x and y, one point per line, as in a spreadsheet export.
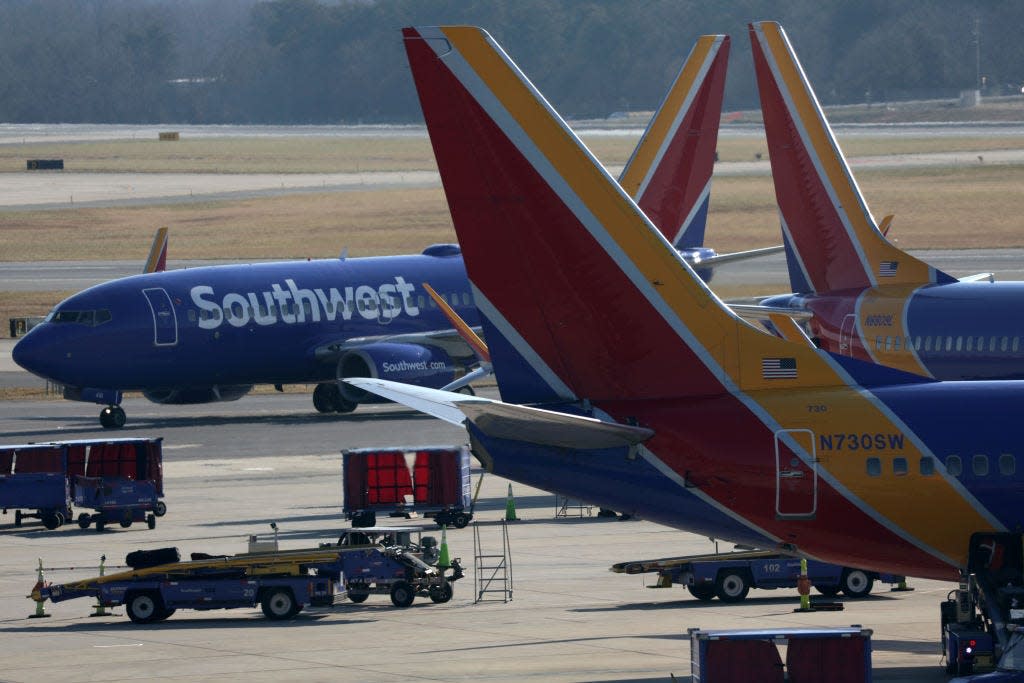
113	417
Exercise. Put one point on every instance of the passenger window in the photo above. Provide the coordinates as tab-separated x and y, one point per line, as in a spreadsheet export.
1007	465
949	343
917	343
1016	344
926	466
959	343
192	315
307	307
954	466
888	343
878	343
991	343
1005	344
228	315
896	343
874	467
981	343
970	343
899	466
466	301
979	465
927	343
423	302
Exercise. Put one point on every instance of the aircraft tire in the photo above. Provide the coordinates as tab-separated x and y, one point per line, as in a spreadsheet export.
326	397
113	417
345	406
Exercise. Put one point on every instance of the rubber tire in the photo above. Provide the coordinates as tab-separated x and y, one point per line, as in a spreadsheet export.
460	520
52	520
344	405
704	592
165	614
125	523
827	591
731	585
326	398
402	594
357	596
441	594
84	520
160	509
364	519
105	419
144	608
151	521
279	604
856	583
113	417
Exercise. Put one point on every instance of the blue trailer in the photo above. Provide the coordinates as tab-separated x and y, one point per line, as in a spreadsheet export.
730	576
34	483
433	481
120	479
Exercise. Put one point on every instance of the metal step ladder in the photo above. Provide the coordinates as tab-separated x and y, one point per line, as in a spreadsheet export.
492	573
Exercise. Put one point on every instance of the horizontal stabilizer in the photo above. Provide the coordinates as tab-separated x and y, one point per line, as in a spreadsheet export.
509	421
738	256
755	312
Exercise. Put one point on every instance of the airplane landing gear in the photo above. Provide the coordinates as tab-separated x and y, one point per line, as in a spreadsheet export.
327	398
113	417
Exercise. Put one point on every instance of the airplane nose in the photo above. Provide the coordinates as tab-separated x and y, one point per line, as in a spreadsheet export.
24	353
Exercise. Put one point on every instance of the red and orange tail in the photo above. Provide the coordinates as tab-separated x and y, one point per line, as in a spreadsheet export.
157	260
835	241
669	173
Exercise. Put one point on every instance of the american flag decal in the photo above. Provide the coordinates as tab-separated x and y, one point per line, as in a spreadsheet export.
778	368
888	268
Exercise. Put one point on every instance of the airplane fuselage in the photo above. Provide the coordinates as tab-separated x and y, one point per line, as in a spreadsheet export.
905	495
241	324
958	331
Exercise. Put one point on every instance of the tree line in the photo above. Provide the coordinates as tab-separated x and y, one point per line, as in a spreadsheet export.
304	62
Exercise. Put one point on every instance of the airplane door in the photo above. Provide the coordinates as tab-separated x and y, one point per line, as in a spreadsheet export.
165	321
846	335
796	481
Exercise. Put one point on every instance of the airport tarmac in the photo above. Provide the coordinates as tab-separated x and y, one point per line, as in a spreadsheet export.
232	468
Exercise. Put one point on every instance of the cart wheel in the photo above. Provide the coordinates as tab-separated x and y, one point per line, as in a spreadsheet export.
84	520
856	583
357	593
278	604
144	608
705	592
402	594
441	594
125	523
52	520
100	525
827	591
151	521
17	518
160	509
732	585
461	520
165	614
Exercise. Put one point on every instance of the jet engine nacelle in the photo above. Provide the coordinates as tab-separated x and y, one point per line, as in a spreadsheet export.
423	366
184	395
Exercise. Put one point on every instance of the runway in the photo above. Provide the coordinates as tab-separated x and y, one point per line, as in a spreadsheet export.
232	468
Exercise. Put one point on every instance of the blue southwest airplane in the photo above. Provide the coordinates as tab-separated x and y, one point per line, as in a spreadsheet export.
648	395
867	298
209	334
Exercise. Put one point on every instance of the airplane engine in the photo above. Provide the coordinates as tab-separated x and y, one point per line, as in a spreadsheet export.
185	395
423	366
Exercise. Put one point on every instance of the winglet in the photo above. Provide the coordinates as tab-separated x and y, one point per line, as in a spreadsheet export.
157	260
465	331
669	173
825	217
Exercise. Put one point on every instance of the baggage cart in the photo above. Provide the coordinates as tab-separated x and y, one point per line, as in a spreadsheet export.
120	479
34	483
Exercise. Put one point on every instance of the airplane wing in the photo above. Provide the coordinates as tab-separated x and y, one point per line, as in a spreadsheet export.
506	420
447	340
737	256
756	312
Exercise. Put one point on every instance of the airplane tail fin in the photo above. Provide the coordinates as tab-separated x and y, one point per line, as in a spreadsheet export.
836	243
669	173
581	297
157	260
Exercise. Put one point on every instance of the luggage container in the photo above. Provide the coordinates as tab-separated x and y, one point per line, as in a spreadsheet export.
34	483
430	481
121	479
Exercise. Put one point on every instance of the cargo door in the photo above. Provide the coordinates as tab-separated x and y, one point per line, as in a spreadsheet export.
165	321
796	480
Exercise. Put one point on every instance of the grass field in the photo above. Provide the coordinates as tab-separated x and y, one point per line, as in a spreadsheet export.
969	206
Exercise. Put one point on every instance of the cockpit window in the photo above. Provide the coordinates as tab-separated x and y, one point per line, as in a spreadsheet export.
90	318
